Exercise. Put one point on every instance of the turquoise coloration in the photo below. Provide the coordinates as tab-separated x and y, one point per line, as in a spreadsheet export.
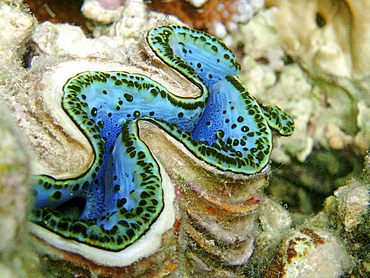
120	196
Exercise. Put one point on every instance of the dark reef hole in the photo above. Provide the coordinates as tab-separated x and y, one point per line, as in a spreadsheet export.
239	51
303	186
263	60
320	20
287	59
72	208
27	56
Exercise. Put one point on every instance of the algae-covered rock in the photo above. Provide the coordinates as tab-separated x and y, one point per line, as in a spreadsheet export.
16	256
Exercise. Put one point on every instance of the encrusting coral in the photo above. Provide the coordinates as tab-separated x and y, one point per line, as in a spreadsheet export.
329	36
320	247
16	32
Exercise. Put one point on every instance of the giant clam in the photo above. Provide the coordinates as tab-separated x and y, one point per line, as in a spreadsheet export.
171	166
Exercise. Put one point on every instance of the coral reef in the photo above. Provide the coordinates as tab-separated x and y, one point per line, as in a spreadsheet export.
92	9
16	32
17	259
332	243
127	21
16	254
329	111
219	18
327	36
57	11
305	245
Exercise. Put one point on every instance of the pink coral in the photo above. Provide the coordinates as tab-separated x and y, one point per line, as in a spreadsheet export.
111	4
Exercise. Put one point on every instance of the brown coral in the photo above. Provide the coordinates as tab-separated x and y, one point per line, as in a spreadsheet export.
214	16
